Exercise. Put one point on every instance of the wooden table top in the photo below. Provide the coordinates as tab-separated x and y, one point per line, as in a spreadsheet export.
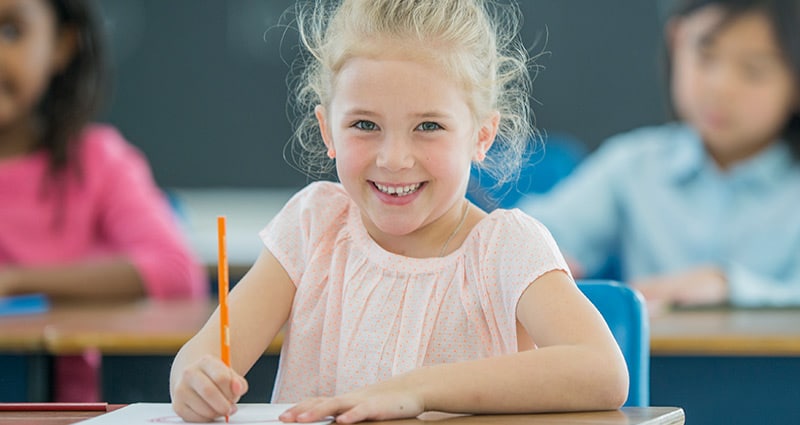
23	333
162	327
727	332
625	416
145	327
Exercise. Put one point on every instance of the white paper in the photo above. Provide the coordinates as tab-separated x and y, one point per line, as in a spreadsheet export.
162	413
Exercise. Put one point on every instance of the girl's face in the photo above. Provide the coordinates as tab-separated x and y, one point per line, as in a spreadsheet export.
31	51
731	82
404	138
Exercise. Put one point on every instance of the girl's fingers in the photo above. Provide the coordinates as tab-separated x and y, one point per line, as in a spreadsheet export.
192	408
226	380
207	391
211	393
312	410
239	387
356	414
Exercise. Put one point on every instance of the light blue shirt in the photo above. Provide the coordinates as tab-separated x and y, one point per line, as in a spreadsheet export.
656	198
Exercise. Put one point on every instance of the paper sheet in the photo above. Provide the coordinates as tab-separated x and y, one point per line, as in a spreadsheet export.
162	413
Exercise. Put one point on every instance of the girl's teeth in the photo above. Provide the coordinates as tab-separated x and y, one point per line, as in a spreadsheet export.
398	190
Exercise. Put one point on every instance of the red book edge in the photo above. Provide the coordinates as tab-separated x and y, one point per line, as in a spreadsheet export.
38	407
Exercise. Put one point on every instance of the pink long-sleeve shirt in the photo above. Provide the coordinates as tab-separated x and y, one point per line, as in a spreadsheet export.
110	207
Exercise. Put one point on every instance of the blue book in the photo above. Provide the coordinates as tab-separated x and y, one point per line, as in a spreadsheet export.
23	304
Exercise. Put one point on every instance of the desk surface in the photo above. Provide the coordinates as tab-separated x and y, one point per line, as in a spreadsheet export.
625	416
163	327
23	333
726	332
146	327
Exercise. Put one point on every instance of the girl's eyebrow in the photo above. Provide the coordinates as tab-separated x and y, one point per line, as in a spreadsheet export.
359	111
427	115
419	115
432	115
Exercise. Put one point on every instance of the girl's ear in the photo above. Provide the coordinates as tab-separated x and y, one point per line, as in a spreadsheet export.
320	112
66	48
486	135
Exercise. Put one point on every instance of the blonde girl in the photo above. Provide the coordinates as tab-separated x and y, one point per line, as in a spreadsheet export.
397	295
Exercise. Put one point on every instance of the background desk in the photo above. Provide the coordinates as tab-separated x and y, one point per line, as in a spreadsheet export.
626	416
703	361
708	361
24	364
138	342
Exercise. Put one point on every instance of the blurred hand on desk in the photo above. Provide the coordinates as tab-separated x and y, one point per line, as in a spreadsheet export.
695	287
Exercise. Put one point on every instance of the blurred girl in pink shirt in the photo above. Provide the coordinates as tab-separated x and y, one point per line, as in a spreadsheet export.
398	296
80	215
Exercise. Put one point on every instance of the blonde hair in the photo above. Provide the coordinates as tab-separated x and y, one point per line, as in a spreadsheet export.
474	41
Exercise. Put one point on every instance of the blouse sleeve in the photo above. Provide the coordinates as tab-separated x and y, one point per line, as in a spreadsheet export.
517	250
294	234
136	219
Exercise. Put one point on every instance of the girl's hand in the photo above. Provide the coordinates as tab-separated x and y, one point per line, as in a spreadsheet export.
207	390
383	401
700	286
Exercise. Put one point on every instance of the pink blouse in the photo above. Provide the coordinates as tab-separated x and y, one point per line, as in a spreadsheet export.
362	314
110	207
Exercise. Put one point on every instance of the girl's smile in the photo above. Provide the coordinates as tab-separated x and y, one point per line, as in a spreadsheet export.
398	194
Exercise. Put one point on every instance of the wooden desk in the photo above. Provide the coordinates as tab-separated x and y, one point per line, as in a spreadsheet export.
24	361
709	360
138	342
143	327
727	332
148	330
626	416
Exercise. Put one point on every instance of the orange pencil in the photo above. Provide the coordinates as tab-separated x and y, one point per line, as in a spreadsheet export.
222	278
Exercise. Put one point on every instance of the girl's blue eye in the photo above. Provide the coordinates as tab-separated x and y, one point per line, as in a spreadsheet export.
365	125
429	126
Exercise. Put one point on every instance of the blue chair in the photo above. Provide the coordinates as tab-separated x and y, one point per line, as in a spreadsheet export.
624	310
544	165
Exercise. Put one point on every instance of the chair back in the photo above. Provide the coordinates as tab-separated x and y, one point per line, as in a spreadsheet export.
624	310
545	163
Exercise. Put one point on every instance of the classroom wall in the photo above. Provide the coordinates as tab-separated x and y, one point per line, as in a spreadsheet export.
200	85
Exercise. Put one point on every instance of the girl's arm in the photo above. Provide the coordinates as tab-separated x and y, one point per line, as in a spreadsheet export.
201	386
578	366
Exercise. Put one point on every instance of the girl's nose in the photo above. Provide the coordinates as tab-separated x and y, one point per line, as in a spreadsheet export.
395	153
721	80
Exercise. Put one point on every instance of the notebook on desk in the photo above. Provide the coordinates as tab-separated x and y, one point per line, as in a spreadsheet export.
23	304
162	413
